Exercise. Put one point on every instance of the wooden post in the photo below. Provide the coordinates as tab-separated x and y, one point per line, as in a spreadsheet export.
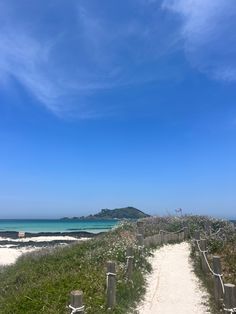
174	237
197	235
111	285
130	260
165	238
158	239
218	293
140	227
155	239
150	241
139	238
177	237
207	228
145	242
186	233
76	301
162	237
229	297
203	261
232	226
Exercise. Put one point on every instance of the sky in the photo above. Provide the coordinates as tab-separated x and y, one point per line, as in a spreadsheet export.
107	104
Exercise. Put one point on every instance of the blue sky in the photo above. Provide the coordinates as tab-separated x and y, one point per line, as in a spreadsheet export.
116	103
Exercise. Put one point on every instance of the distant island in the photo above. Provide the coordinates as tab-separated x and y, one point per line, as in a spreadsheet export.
117	213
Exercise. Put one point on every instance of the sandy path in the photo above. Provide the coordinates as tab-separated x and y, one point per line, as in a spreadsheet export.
172	286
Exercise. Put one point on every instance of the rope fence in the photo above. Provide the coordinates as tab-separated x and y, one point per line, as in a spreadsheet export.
225	294
162	237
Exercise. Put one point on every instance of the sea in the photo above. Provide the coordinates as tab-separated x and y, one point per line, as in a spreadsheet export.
49	225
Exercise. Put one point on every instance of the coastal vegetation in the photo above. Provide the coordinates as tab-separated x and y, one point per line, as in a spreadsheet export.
40	282
220	238
117	213
221	242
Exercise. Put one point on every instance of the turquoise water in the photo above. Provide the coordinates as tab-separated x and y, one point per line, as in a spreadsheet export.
35	226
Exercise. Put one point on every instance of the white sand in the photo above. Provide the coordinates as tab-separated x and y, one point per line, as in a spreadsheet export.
172	286
9	256
43	239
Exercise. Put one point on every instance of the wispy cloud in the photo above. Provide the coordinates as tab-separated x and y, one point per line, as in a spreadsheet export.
207	31
92	51
82	51
26	59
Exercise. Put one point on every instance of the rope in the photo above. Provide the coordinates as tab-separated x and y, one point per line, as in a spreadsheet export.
76	309
213	234
128	258
230	310
140	247
215	274
111	274
164	231
209	267
199	247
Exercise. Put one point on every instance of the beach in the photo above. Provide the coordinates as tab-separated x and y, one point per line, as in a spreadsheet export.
44	234
9	255
12	249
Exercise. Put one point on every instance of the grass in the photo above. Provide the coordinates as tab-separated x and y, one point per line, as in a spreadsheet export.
224	245
226	249
206	280
41	282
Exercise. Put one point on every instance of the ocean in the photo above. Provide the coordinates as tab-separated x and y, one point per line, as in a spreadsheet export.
43	225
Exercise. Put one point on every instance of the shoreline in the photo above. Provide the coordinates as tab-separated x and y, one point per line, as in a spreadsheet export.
9	256
12	247
75	234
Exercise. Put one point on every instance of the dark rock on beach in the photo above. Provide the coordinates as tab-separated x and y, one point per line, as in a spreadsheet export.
41	244
78	234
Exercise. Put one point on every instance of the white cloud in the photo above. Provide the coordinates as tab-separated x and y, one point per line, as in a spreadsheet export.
208	34
32	61
24	58
93	51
